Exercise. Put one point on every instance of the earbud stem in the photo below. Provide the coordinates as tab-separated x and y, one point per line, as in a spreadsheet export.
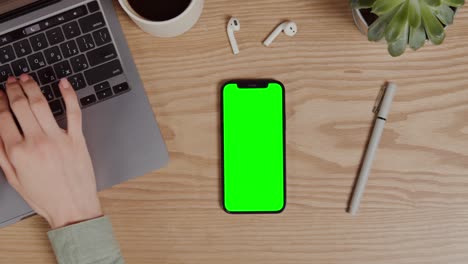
233	41
274	35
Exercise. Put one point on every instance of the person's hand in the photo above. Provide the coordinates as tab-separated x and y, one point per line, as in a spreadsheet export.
48	166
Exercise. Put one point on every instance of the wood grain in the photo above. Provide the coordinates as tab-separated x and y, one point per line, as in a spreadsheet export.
415	207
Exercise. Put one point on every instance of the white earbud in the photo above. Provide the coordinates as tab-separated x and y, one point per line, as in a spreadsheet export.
233	25
289	28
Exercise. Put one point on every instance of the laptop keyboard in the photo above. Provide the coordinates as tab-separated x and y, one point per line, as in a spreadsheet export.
76	45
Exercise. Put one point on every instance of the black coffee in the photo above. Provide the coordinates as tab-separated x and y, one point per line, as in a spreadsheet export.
159	10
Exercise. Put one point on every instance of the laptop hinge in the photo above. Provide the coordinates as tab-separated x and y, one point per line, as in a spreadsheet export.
25	9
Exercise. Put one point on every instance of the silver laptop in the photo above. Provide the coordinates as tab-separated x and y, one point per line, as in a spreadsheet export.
82	40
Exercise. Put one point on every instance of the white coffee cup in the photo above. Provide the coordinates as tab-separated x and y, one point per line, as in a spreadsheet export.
169	28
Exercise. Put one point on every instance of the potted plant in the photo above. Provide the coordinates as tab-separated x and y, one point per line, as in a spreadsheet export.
405	22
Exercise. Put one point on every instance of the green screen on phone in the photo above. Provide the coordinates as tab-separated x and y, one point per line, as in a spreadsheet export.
253	148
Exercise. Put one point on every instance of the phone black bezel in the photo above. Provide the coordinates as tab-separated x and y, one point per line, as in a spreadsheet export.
247	84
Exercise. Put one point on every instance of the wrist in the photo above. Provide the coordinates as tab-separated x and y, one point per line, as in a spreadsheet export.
71	217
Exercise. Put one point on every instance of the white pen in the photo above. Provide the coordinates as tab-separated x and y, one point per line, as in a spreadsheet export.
371	151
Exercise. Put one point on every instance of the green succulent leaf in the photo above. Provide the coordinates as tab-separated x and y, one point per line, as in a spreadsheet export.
433	3
445	14
398	25
398	47
417	37
381	7
377	29
361	3
414	13
454	3
434	29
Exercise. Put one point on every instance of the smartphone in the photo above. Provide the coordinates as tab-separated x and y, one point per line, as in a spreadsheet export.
253	146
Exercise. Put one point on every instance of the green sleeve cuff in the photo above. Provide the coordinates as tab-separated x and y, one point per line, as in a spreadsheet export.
86	242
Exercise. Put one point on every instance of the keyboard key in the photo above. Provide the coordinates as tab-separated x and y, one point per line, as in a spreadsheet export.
20	66
85	43
6	54
104	94
5	72
101	86
47	92
120	88
71	30
55	36
102	54
56	107
90	99
62	69
53	55
56	89
38	42
69	48
22	48
79	63
77	81
5	39
102	36
2	87
103	72
46	75
36	61
92	22
34	76
93	7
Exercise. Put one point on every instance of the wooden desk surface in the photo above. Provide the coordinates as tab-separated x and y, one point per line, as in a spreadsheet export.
415	209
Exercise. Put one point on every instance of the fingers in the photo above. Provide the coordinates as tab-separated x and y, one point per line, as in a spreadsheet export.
9	132
39	105
20	106
73	108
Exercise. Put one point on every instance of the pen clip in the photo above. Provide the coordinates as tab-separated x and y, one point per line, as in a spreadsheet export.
378	101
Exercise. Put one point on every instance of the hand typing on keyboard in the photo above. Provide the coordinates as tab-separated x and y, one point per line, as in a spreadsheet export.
48	166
